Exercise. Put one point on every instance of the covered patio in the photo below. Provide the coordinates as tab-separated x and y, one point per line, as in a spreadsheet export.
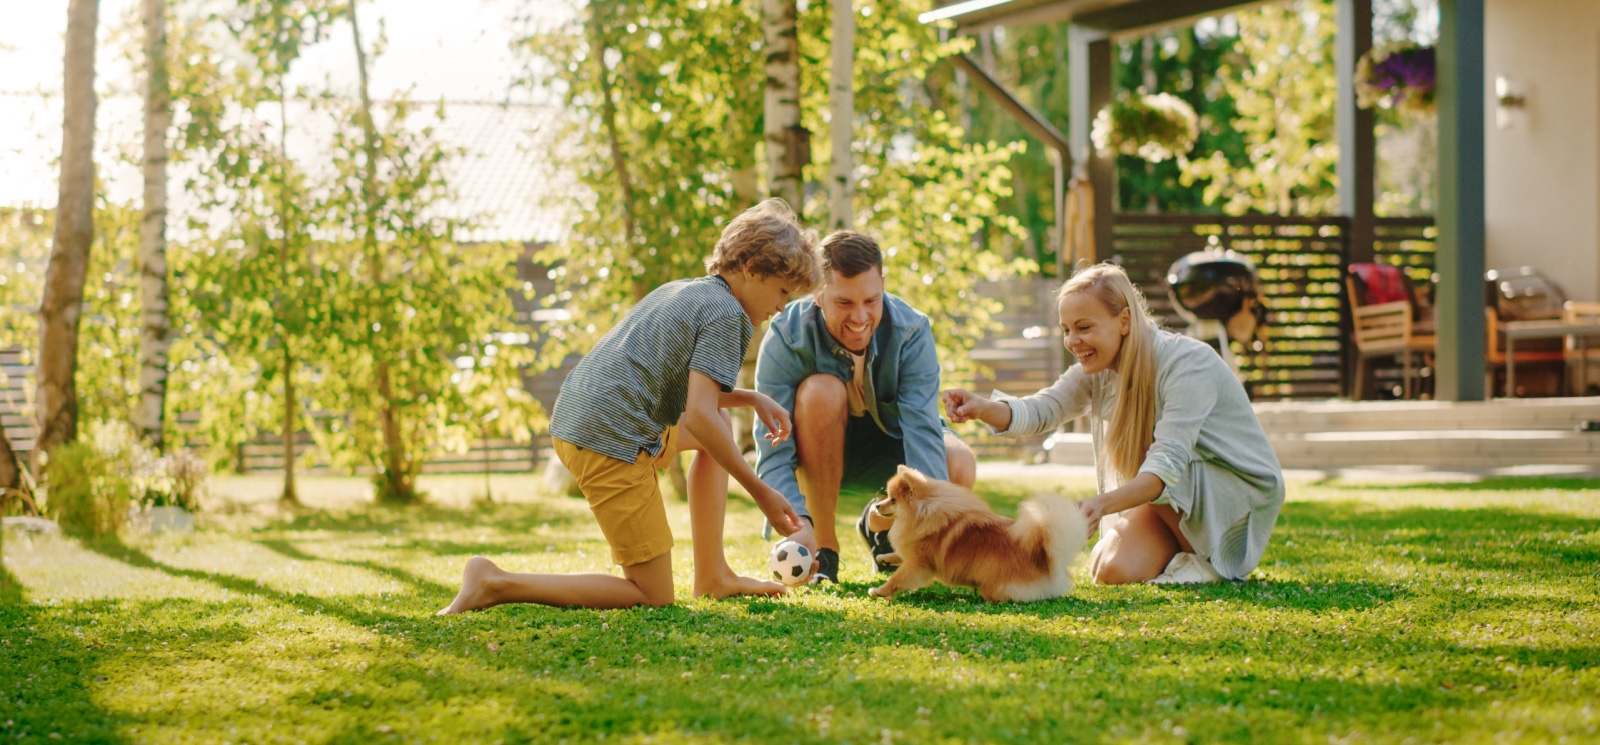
1303	260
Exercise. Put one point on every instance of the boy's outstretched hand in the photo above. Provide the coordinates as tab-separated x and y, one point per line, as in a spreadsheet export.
780	514
775	417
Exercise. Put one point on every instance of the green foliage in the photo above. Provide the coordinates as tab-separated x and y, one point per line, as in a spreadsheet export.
437	312
94	481
1184	63
1435	612
690	134
936	204
1154	127
25	246
687	88
108	333
290	285
1280	78
89	483
1031	61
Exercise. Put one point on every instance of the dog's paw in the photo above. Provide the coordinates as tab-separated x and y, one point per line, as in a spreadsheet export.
877	592
892	559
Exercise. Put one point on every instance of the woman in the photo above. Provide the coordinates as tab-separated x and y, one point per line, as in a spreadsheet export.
1189	485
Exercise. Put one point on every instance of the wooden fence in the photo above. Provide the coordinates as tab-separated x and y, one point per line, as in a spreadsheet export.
1302	263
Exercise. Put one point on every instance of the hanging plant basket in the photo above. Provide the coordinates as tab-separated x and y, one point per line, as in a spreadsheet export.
1154	127
1397	76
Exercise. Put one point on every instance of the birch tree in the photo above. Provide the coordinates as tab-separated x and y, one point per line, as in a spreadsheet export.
150	416
841	105
62	303
788	145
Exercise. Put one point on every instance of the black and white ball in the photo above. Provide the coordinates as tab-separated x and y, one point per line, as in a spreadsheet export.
790	563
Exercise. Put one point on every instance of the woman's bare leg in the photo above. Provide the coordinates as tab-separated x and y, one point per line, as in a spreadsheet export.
485	585
1137	545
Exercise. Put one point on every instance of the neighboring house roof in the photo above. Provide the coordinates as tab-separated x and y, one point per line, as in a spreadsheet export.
507	178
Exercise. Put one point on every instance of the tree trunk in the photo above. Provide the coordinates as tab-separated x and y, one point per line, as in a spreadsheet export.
787	144
398	483
842	101
288	305
290	495
619	161
149	417
62	303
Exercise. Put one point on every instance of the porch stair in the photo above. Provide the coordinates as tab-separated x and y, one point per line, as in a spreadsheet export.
1431	435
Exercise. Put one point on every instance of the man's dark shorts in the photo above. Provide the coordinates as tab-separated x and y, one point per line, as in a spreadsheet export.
871	458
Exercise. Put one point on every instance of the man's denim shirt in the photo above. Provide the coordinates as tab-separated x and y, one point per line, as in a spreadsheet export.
901	385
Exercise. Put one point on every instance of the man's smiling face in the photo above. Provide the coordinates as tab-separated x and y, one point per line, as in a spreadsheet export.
852	307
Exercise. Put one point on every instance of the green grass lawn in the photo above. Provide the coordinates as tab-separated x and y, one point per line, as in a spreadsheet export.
1426	613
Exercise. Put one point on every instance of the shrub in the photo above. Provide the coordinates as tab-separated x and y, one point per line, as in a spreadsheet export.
92	483
85	491
183	476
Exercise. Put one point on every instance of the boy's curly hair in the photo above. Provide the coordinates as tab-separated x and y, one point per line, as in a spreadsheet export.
771	241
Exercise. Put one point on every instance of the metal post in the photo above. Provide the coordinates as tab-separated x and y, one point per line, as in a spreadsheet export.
1090	62
1460	247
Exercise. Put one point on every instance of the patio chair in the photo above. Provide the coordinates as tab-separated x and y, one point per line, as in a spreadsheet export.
1495	359
1387	329
1576	312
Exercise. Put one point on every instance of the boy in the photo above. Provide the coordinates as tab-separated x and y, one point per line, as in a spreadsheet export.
655	386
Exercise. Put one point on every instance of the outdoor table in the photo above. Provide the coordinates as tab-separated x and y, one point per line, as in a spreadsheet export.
1515	330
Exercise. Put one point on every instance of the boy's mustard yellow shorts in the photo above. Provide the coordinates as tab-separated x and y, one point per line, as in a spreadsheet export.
625	498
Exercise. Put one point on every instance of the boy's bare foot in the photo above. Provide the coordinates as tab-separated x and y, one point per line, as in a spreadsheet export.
476	587
727	584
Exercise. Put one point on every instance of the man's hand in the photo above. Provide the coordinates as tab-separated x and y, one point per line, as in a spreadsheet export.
774	416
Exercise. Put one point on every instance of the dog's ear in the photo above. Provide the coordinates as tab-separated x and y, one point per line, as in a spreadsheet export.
912	479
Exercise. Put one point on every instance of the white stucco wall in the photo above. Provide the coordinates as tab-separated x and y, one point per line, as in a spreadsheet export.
1543	173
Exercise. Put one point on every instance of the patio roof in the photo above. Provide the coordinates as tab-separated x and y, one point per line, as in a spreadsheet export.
1116	17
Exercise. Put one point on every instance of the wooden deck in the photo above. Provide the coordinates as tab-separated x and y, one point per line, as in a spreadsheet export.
1435	435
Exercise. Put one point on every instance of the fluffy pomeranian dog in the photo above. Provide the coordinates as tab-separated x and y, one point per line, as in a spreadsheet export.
944	532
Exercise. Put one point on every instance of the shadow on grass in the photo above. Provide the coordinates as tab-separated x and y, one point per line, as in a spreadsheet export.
378	622
48	674
519	517
287	550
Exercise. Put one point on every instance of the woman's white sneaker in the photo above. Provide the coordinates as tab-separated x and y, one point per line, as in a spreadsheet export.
1187	569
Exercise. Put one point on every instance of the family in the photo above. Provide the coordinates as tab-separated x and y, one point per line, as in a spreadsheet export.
847	391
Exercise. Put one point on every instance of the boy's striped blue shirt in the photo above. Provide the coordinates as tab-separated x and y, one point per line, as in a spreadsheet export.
634	384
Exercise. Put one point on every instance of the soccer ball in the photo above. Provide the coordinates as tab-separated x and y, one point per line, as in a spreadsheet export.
790	563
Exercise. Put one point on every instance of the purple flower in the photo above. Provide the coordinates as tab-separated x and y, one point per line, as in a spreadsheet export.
1406	72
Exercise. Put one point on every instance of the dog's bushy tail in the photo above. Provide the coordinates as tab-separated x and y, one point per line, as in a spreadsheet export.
1056	525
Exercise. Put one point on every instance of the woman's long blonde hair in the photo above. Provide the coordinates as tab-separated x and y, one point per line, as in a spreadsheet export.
1133	422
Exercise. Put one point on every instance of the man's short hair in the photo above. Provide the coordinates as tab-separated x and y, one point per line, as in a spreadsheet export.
849	253
771	241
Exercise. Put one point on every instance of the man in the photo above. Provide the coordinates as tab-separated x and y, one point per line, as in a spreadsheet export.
857	369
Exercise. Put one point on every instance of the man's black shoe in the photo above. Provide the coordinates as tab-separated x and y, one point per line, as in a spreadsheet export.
827	567
877	541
